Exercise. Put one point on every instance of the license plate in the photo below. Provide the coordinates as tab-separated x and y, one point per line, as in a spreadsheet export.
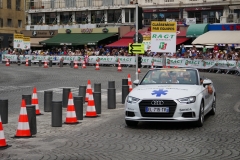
157	109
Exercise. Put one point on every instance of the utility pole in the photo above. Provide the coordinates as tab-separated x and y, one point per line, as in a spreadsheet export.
136	22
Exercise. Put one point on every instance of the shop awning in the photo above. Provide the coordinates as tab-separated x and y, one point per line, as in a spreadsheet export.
124	42
77	39
181	40
195	30
218	37
35	41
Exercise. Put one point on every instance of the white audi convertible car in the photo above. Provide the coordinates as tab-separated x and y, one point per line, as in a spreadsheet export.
170	95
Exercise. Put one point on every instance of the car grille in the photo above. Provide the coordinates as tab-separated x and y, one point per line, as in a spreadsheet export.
167	103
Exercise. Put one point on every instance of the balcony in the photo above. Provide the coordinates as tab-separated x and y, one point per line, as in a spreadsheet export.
68	5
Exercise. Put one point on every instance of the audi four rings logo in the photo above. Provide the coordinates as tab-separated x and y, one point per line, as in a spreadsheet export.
157	102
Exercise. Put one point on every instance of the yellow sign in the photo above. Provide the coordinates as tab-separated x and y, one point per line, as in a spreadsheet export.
162	26
146	37
18	36
27	39
136	48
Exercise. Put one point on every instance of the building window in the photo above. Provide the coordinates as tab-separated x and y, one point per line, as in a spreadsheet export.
114	15
126	15
18	5
148	1
1	3
81	17
9	4
9	22
36	18
1	22
205	16
97	16
70	3
169	0
19	23
51	18
132	17
159	16
65	17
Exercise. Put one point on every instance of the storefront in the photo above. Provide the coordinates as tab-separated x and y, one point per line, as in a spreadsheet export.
205	14
82	36
37	36
6	40
160	15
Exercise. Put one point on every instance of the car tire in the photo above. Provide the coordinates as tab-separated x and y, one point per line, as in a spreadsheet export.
200	120
131	123
213	110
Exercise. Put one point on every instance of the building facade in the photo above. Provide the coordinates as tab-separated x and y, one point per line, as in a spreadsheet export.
55	14
12	20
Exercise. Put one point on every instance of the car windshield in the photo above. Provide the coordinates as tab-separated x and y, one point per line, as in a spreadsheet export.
171	76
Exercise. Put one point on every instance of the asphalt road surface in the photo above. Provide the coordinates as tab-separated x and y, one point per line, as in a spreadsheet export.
107	136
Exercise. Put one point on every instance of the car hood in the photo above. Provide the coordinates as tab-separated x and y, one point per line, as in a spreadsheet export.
165	91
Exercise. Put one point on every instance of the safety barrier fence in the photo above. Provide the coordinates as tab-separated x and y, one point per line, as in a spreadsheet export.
131	60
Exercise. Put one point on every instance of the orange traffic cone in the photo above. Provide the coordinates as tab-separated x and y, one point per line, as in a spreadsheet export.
83	65
97	66
45	65
75	65
119	67
35	101
91	110
129	82
26	62
7	62
3	144
71	117
88	90
23	129
139	71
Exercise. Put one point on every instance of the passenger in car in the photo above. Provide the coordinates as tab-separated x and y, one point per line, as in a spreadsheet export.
173	78
186	78
163	78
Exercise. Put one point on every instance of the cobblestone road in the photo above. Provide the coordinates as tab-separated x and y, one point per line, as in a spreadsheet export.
107	136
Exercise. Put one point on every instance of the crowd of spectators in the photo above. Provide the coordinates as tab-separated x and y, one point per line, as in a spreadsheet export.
220	53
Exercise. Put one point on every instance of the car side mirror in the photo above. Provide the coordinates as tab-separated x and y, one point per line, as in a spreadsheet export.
206	82
136	82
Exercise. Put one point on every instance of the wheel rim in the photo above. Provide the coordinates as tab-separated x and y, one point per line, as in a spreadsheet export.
214	104
202	113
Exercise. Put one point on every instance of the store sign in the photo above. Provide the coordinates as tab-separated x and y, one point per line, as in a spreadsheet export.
203	8
18	41
224	27
38	33
86	30
163	36
26	43
190	21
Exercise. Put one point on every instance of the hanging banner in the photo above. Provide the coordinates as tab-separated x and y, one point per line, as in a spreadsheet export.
26	43
163	36
18	41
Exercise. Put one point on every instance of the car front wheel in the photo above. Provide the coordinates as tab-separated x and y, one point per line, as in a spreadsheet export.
200	121
131	123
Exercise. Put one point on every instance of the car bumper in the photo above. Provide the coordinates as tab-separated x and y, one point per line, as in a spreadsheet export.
182	113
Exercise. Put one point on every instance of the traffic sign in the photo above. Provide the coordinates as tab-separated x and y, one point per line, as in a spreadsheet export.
140	38
136	48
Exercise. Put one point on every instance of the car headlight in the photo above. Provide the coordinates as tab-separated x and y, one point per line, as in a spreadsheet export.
132	99
187	100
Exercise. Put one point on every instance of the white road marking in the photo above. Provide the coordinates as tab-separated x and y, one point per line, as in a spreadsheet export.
237	106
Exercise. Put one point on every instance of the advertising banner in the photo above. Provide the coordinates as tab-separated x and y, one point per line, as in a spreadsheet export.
163	36
26	43
147	41
131	60
18	41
